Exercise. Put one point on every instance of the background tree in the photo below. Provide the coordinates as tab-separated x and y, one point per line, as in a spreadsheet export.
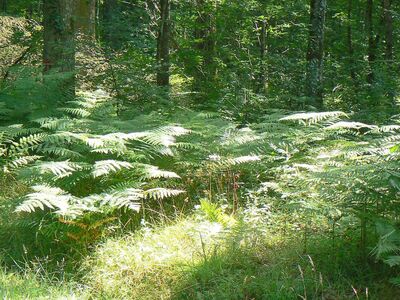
204	37
110	16
262	29
369	27
3	5
350	46
85	17
163	41
315	52
58	35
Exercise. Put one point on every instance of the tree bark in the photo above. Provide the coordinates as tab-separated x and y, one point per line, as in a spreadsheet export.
262	26
389	45
59	43
371	40
350	47
205	44
3	6
315	53
110	17
62	20
85	18
163	42
388	23
58	35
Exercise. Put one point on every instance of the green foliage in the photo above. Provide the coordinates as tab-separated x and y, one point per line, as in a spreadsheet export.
388	246
223	140
198	258
79	156
14	286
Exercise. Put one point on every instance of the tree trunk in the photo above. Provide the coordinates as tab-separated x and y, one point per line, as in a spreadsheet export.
3	6
85	18
205	44
110	16
350	47
371	40
163	44
262	41
388	23
315	52
62	20
389	44
58	35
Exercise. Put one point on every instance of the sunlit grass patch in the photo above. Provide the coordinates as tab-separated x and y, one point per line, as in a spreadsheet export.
28	286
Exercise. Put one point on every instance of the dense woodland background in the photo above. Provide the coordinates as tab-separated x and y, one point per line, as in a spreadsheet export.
199	149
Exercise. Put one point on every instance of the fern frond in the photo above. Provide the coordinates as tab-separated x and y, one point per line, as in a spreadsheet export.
105	167
152	172
161	193
314	117
128	198
20	162
351	125
46	197
76	112
60	169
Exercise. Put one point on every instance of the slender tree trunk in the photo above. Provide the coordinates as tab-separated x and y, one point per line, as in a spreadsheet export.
315	53
388	24
110	17
205	44
389	45
262	26
350	47
163	41
371	40
3	6
59	43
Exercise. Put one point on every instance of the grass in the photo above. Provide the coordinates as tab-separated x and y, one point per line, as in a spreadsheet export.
209	255
195	258
27	286
198	259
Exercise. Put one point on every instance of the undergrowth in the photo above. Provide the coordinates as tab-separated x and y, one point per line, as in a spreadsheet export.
195	258
27	286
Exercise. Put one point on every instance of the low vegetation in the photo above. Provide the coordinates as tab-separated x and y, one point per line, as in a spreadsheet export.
199	149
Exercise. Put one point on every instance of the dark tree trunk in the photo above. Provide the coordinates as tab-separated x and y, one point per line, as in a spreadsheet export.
163	41
58	35
59	43
205	44
110	14
62	20
3	6
350	47
389	45
315	53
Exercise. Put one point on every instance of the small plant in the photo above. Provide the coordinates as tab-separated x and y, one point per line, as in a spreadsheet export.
388	247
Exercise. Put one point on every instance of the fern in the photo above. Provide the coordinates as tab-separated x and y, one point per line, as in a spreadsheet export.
161	193
106	157
105	167
46	197
313	118
58	169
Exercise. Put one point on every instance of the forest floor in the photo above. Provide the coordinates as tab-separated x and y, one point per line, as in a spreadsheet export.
207	252
194	258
